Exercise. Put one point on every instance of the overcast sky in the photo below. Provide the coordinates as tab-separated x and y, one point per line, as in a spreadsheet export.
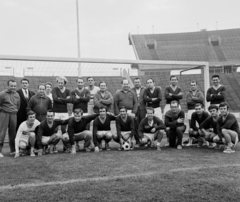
48	27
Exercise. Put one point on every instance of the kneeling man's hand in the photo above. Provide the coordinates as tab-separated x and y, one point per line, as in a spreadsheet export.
73	151
16	155
40	152
96	149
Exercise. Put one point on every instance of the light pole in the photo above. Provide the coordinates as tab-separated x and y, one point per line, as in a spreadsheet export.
78	40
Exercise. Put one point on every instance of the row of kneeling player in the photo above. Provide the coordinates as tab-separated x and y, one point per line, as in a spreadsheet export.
212	130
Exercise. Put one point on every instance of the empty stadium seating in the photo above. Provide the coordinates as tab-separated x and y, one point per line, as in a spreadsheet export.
192	46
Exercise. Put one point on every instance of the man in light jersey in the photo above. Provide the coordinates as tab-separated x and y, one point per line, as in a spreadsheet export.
93	90
48	86
26	134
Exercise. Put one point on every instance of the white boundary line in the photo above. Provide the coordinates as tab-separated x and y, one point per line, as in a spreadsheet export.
30	185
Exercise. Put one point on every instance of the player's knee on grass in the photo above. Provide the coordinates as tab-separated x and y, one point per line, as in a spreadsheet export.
22	145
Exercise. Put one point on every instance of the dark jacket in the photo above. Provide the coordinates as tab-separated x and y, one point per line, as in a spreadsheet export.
40	105
22	112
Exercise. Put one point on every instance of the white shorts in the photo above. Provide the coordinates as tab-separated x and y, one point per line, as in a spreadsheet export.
90	109
45	140
150	136
158	112
167	108
24	138
189	113
125	134
62	116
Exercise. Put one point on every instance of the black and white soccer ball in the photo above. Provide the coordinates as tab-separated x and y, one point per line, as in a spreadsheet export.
126	146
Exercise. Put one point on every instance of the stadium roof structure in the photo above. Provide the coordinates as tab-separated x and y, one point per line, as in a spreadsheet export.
219	47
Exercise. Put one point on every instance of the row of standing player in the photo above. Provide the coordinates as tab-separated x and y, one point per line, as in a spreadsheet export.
135	100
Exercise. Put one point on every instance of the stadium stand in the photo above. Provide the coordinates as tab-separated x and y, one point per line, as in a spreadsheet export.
221	48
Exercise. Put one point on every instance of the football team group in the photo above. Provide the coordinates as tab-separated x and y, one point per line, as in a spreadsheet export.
37	122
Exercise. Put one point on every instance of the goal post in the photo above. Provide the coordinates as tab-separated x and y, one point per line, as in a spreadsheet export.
104	64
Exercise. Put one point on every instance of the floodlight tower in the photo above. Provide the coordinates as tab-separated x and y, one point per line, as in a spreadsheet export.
78	40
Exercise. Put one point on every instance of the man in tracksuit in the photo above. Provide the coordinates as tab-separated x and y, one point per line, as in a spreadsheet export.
9	105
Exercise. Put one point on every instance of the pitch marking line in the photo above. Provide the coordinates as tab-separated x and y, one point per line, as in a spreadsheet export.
30	185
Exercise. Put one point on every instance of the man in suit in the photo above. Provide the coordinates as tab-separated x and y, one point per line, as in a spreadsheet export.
25	95
138	90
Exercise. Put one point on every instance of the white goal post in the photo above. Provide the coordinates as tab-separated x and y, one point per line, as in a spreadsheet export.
190	64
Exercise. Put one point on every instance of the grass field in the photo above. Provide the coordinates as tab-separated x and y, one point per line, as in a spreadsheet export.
191	174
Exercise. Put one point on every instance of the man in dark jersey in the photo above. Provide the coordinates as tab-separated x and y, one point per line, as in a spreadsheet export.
172	92
47	133
209	127
217	93
196	119
153	96
80	96
151	128
125	128
174	121
228	128
102	129
77	130
61	96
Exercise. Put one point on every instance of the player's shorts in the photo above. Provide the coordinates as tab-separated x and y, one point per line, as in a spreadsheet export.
90	109
158	112
103	134
45	139
62	116
24	138
130	113
167	108
150	136
125	134
189	113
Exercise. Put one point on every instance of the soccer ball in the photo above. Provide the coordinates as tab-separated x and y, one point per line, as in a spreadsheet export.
126	146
